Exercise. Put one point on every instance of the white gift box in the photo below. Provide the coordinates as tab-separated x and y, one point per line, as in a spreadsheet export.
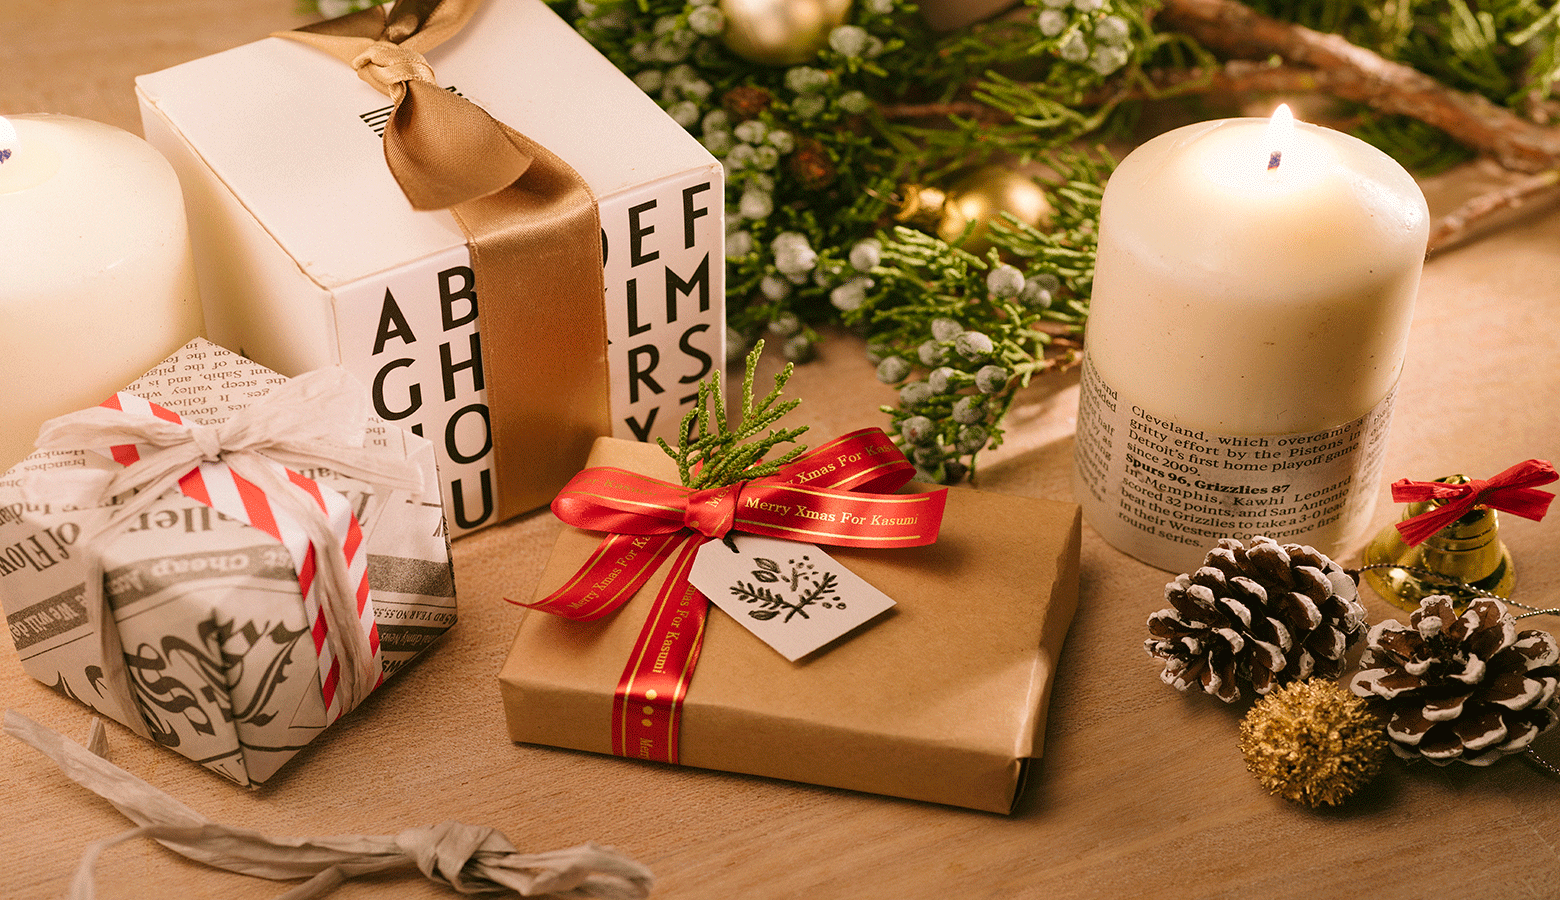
308	253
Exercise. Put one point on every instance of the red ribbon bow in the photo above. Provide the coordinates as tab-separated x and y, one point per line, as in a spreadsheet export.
836	495
1510	491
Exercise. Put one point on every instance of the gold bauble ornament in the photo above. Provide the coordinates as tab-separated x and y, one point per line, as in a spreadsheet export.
979	196
781	32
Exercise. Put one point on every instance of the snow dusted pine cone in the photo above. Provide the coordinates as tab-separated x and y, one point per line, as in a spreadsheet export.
1264	614
1466	687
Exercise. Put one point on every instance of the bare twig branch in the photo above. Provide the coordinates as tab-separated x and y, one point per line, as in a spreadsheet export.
1460	224
1244	76
968	109
1354	73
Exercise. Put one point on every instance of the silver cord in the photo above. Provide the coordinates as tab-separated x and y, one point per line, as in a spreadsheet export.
1543	763
1431	575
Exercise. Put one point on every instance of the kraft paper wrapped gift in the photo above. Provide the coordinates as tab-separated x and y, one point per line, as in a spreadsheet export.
941	699
222	654
309	254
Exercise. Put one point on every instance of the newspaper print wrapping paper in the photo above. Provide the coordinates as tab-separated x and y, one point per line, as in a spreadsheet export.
217	643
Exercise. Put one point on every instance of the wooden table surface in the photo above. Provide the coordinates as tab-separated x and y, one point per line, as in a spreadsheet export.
1141	791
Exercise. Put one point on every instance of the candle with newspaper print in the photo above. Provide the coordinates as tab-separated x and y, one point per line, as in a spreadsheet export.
1250	314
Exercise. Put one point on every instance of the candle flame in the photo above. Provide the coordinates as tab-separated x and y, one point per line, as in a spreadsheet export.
1280	133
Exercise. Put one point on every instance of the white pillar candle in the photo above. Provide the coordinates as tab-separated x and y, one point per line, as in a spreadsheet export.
97	284
1251	305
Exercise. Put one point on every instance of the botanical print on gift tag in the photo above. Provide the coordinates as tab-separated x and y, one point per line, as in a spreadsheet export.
795	597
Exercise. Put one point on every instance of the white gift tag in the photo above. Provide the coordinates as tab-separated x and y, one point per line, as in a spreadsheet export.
795	597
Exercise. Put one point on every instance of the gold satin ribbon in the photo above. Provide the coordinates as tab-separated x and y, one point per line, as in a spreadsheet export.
535	237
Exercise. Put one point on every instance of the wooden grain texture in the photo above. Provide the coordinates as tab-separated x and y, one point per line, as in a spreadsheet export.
1141	791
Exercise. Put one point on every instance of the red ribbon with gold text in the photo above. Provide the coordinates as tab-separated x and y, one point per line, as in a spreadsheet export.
837	494
1513	491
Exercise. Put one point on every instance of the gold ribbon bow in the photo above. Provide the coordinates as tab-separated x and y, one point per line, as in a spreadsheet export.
535	238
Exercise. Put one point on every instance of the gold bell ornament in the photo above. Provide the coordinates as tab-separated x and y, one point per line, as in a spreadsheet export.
781	32
980	196
1448	541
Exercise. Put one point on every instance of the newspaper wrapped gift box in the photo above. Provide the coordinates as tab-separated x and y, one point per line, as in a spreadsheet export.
943	699
219	649
309	255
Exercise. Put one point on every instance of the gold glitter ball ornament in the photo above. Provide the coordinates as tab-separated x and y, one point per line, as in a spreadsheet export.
976	197
781	32
1312	742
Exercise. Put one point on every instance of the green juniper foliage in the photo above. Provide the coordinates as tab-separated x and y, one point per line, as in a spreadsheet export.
960	334
711	454
818	156
813	162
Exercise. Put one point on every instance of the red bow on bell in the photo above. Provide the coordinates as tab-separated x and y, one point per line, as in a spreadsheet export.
1513	491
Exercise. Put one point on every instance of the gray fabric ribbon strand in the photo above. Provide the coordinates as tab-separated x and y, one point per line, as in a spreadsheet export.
470	859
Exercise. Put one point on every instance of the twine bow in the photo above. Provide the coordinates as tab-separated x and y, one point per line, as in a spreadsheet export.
316	419
468	858
1513	491
535	237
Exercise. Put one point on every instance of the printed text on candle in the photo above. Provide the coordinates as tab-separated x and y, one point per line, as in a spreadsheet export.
1191	487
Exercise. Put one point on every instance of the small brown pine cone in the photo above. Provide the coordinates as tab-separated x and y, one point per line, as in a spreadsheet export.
811	164
1467	688
745	102
1264	614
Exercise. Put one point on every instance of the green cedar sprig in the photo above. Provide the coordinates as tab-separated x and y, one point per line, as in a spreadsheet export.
711	454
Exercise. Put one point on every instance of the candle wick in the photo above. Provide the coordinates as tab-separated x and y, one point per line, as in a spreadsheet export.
1274	159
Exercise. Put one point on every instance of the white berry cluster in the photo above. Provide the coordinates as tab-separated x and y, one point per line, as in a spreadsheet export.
957	369
770	129
962	372
1086	33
